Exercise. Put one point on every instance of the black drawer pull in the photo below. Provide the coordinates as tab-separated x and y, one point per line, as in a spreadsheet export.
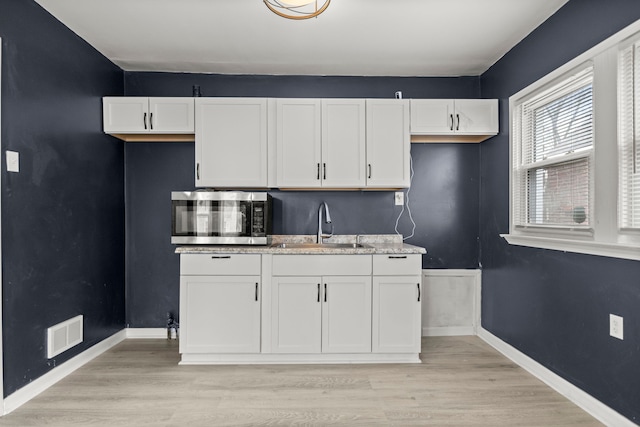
397	257
221	257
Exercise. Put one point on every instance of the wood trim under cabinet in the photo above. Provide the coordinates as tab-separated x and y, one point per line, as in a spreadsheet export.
449	138
155	137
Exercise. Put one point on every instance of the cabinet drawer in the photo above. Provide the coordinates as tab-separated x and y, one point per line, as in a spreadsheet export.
397	264
220	264
321	265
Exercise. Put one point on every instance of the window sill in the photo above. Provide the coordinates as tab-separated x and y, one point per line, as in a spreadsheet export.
615	250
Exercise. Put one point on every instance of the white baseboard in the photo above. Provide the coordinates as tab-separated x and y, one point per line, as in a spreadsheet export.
448	331
37	386
588	403
151	333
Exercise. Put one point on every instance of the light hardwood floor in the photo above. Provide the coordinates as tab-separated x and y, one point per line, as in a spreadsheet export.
462	381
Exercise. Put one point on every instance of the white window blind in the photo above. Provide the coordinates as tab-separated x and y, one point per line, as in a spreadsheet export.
629	133
553	131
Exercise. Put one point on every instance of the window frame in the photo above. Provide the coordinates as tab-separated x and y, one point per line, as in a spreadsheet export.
564	85
634	43
605	237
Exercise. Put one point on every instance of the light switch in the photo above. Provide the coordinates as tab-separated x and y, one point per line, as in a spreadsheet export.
13	161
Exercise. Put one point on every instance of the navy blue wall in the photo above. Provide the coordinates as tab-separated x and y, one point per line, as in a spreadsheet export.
444	195
555	306
63	214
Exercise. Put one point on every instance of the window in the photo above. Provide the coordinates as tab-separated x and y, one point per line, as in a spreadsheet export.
553	133
575	154
629	133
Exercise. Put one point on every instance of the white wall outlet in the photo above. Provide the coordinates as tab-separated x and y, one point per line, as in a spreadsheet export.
616	326
13	161
399	198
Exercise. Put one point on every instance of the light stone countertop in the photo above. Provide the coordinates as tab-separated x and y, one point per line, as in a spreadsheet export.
371	244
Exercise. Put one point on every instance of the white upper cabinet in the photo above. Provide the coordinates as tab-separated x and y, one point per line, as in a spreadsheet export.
298	142
472	120
343	143
388	143
432	116
139	115
476	116
231	142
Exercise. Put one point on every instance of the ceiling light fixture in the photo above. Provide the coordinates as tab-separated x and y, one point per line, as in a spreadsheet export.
297	9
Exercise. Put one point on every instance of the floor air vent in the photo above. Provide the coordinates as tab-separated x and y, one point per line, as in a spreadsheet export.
63	336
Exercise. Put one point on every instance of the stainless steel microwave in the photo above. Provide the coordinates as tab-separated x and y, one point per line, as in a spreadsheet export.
206	217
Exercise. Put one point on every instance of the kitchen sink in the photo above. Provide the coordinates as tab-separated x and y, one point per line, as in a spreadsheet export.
319	245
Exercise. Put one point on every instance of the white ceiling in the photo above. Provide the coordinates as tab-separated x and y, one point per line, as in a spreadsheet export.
352	37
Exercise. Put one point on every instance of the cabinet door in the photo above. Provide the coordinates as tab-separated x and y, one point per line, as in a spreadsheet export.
125	114
298	142
231	142
343	143
396	314
432	116
388	143
171	115
346	314
476	116
296	314
220	314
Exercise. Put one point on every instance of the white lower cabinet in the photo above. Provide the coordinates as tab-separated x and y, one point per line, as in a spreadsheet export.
396	314
397	295
220	303
296	322
314	314
220	314
273	308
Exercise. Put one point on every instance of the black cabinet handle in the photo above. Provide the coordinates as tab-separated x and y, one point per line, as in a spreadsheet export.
198	170
369	170
418	291
451	117
318	173
318	292
256	291
324	171
397	257
457	121
221	257
325	292
144	121
151	121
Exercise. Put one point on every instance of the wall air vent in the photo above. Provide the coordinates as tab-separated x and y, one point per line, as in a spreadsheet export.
64	335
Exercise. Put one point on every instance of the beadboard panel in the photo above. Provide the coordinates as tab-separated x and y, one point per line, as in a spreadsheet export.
451	304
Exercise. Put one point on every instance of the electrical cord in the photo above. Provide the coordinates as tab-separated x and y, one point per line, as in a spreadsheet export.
413	229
